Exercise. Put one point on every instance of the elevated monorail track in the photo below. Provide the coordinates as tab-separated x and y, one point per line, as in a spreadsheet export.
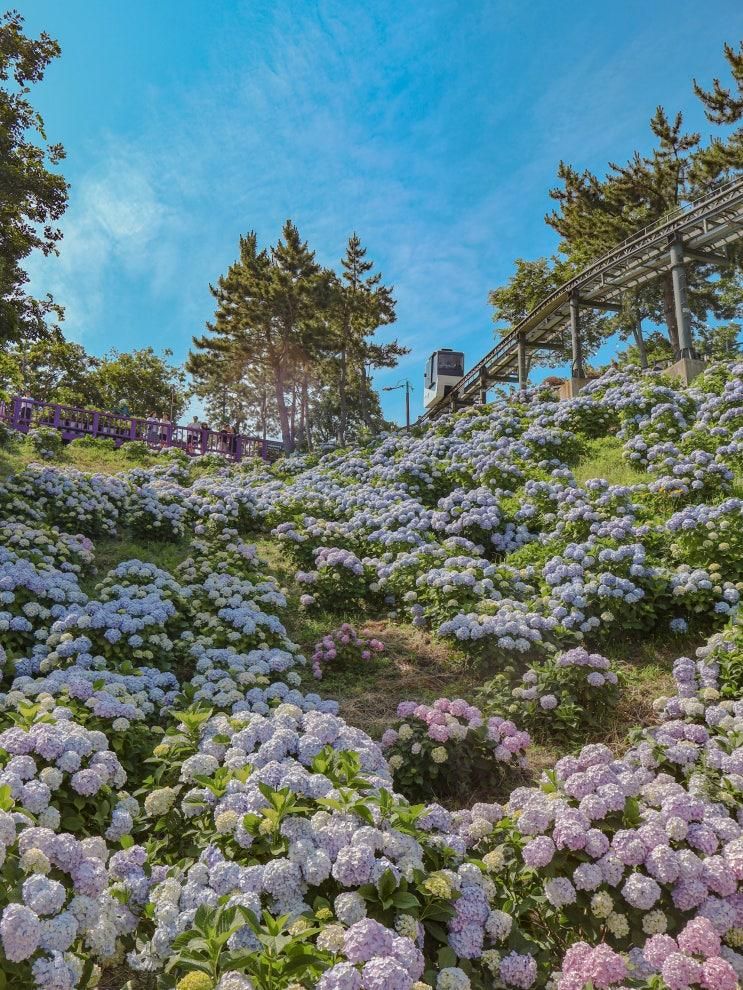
702	231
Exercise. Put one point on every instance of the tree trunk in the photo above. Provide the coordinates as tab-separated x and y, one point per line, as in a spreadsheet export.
640	341
302	419
286	433
293	415
364	397
669	311
306	411
343	410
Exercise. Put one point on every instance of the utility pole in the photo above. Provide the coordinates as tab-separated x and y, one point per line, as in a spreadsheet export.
408	389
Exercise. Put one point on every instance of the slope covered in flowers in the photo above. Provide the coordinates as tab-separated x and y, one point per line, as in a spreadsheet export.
181	806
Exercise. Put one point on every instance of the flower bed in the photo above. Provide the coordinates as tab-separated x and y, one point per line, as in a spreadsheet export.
270	845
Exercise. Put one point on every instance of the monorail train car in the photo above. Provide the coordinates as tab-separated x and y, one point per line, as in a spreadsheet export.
444	368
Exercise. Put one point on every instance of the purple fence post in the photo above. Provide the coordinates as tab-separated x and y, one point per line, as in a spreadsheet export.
16	411
94	424
133	430
57	417
168	434
204	440
238	448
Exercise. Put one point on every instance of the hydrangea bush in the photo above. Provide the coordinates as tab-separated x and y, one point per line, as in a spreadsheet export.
567	696
447	748
343	647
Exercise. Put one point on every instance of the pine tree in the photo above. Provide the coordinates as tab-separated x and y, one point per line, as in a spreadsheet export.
271	318
361	305
723	106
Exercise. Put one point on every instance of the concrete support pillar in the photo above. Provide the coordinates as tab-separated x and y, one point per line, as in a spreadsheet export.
483	386
575	341
680	298
523	377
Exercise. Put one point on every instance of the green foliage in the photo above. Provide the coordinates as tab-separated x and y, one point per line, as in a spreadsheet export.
33	197
55	370
285	949
658	350
554	700
146	382
720	343
290	345
95	444
139	383
446	751
136	451
46	442
7	436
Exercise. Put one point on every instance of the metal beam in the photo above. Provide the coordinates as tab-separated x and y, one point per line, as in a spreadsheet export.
595	304
503	379
708	257
706	227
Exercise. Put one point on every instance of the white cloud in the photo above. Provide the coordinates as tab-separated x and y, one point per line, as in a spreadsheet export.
117	222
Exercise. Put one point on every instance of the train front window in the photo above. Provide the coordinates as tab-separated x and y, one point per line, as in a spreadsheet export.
450	363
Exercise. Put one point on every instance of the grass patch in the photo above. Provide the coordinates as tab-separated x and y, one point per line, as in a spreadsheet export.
414	666
111	552
418	666
94	460
603	459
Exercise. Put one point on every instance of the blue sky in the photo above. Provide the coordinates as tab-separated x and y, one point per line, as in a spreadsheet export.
432	129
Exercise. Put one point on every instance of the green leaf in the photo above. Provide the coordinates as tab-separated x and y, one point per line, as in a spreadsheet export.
386	885
446	957
438	931
405	901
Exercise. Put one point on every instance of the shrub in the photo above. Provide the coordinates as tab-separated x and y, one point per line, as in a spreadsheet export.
343	647
7	436
64	774
46	442
339	579
94	443
443	749
57	915
565	696
136	451
174	454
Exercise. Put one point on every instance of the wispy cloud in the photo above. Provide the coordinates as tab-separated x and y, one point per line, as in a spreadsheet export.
116	225
432	130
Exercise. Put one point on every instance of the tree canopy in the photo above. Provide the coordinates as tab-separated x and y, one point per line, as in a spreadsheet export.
57	370
33	197
292	343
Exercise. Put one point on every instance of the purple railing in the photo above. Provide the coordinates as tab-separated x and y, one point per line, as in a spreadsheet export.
26	414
